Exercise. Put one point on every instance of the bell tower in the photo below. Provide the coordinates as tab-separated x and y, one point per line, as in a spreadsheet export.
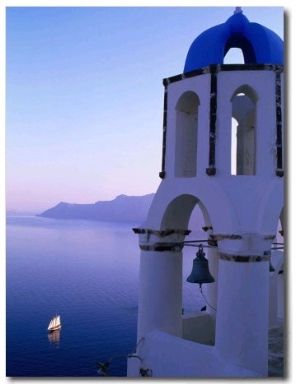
234	173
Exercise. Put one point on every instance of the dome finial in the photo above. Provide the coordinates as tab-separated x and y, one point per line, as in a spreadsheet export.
238	10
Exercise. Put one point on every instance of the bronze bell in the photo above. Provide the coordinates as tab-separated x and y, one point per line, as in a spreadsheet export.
200	273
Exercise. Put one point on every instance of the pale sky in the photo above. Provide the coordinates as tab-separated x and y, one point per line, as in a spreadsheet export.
84	96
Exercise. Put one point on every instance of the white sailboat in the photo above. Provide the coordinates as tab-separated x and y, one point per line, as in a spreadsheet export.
55	323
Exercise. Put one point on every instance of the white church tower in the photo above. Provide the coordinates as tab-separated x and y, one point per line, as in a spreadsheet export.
240	190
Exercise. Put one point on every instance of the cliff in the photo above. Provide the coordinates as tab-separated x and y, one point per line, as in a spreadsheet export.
122	209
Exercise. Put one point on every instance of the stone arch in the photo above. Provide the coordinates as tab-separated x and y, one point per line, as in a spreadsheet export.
172	206
179	210
186	132
244	101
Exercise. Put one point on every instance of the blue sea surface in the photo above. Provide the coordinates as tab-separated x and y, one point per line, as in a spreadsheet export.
85	271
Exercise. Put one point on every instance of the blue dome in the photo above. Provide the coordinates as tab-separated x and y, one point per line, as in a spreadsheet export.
259	44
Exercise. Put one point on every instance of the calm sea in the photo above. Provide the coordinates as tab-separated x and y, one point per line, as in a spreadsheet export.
88	273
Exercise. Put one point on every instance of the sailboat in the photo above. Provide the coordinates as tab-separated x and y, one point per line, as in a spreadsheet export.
54	324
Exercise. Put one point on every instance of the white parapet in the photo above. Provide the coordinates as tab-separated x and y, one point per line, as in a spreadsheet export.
170	356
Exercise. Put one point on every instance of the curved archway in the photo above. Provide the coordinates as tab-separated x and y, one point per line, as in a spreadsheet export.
243	43
179	210
243	150
186	211
186	135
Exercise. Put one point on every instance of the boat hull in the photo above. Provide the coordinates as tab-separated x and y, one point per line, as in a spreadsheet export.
54	328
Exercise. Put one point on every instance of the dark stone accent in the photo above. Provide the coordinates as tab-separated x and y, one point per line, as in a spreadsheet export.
162	247
224	67
243	259
162	233
205	229
212	243
279	170
162	174
222	237
211	170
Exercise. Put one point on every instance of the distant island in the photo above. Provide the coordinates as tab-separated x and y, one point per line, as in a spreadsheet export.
122	209
130	209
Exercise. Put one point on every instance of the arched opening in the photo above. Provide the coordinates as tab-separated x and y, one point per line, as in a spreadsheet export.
186	135
234	125
240	43
243	132
198	306
192	300
234	56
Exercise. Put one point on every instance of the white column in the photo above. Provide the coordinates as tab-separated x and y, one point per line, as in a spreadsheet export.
243	304
160	293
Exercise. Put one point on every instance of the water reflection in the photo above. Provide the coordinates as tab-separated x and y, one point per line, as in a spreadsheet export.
54	338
